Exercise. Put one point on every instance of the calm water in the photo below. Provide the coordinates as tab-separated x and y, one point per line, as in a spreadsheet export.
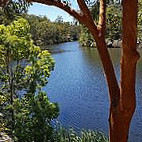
79	86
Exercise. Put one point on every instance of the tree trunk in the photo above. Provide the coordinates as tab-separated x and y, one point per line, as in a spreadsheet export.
118	123
121	115
115	120
122	99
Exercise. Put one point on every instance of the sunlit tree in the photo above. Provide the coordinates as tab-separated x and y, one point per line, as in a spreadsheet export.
25	109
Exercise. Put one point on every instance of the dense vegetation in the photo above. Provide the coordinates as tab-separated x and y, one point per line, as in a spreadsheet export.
26	111
64	135
44	32
113	25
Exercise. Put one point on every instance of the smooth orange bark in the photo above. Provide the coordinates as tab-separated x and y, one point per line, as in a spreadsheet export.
122	99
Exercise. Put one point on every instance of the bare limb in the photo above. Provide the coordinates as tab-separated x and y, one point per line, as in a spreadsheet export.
84	8
62	6
87	15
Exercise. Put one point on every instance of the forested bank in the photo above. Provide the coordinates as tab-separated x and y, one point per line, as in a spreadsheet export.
113	25
44	32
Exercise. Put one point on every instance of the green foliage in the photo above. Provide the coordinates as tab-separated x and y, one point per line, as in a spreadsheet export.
12	9
140	20
64	135
44	32
95	11
33	118
2	101
114	23
24	70
86	38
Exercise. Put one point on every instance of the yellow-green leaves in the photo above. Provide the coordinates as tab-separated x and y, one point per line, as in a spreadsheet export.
28	69
20	28
24	70
39	67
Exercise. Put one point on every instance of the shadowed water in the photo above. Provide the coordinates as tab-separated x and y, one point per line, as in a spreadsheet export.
78	85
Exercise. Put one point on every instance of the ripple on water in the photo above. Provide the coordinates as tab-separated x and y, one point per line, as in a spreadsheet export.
78	85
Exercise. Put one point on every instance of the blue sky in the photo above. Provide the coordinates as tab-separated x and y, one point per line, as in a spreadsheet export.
50	11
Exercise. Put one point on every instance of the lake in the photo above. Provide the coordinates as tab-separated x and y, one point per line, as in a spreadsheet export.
78	85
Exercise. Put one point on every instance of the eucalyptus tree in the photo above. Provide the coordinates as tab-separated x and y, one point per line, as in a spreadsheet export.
122	97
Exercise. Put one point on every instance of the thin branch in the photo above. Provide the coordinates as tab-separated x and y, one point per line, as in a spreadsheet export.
102	17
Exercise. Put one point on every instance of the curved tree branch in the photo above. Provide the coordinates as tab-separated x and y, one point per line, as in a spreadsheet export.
62	6
87	15
83	7
84	17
